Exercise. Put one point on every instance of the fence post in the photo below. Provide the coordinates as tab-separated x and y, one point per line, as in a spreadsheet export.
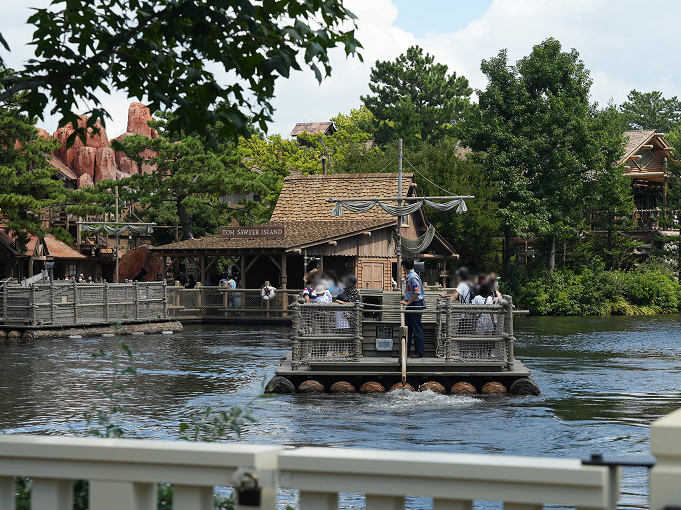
358	330
106	301
51	302
665	477
137	300
34	306
295	348
509	327
165	299
75	303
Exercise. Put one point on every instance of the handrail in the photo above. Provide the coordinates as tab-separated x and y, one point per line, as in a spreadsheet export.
124	473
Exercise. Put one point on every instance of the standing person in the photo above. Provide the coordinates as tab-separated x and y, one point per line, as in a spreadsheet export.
350	294
311	280
414	299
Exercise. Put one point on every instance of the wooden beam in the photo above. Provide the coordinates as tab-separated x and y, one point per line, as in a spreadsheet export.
636	156
647	146
333	243
275	262
215	259
250	265
366	234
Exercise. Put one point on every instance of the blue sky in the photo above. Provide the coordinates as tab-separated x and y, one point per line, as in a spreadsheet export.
423	18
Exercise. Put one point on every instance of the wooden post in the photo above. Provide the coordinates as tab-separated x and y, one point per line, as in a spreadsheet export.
106	301
34	306
295	348
75	303
165	300
509	326
242	262
358	330
284	282
51	302
202	273
137	300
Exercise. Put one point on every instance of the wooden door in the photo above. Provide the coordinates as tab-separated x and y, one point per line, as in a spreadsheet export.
372	275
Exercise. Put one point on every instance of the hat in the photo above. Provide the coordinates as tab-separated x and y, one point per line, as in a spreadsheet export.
463	273
350	280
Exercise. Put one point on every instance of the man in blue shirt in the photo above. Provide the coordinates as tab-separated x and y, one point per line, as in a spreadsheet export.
414	299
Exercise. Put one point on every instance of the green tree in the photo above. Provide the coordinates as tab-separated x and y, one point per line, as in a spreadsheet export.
415	99
28	186
540	139
650	110
175	54
442	167
185	173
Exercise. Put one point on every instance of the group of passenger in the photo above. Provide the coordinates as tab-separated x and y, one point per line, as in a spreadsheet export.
484	290
326	287
79	278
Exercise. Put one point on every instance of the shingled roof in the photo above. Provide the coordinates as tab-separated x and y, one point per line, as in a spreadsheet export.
634	139
314	128
303	197
303	211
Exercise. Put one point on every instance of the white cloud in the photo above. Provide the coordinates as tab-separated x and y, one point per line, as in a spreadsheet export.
625	44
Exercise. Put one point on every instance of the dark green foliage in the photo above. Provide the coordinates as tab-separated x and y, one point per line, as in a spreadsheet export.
471	234
650	110
540	138
176	54
27	177
592	290
415	99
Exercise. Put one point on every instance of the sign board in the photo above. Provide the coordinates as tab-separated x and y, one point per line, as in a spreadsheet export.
256	231
384	338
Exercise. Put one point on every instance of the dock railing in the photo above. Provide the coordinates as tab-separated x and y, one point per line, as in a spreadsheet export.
66	304
219	303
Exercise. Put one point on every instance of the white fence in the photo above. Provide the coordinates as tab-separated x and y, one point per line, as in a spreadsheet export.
123	474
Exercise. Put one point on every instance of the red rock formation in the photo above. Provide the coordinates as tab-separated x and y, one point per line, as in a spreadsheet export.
138	116
139	262
43	134
85	181
105	164
84	161
66	155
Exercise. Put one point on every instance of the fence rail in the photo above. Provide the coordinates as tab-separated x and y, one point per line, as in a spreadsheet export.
71	304
220	303
124	473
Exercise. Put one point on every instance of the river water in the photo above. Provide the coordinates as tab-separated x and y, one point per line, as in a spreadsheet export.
603	381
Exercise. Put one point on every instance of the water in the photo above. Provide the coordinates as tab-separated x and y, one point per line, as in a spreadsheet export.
604	380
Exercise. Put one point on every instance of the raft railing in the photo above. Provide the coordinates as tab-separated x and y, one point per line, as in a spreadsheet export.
125	473
326	332
70	304
475	333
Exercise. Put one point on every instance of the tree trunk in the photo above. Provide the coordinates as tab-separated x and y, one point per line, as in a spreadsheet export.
187	228
551	255
507	252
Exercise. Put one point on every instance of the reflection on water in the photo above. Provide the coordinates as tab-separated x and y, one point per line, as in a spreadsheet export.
603	380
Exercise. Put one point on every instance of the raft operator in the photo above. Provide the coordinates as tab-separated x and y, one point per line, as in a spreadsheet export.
414	299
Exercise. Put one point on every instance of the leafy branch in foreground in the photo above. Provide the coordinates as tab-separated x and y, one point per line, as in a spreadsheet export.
176	53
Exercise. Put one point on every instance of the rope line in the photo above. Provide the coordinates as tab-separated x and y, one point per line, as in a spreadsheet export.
426	178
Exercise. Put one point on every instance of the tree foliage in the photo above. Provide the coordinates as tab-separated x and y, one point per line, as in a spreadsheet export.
650	110
176	54
415	98
27	180
540	139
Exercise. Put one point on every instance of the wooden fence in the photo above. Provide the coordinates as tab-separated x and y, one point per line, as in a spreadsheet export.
73	304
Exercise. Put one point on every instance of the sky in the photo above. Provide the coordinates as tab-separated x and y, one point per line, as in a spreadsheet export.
626	44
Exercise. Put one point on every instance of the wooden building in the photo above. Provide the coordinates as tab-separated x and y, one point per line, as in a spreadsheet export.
17	264
302	226
645	162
